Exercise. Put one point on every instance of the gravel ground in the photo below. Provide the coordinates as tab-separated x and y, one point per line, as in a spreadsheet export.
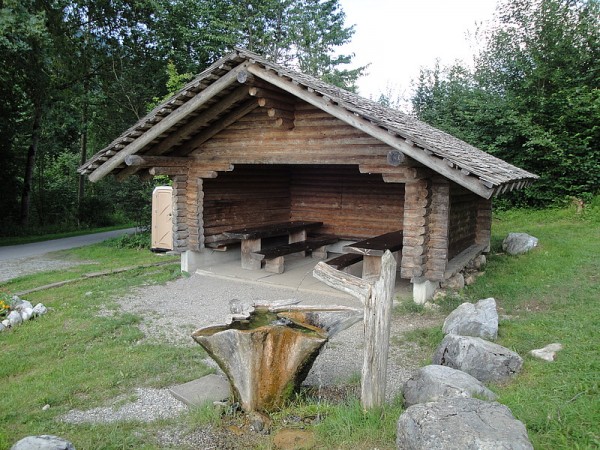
173	311
24	266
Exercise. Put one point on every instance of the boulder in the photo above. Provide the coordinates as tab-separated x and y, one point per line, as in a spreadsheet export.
482	359
479	320
461	424
21	305
434	383
43	442
518	243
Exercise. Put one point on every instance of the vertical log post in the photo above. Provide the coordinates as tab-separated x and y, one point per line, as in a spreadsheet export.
378	319
377	297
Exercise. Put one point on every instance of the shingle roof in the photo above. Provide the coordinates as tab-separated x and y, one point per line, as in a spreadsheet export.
494	173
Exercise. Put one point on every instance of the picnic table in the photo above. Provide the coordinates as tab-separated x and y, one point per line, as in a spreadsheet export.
251	238
372	250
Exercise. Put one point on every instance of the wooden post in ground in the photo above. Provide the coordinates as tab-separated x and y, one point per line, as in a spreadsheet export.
377	297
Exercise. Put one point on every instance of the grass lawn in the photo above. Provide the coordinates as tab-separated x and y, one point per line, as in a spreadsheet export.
74	358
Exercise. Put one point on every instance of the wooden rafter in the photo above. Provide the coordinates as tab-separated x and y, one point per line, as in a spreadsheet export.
168	122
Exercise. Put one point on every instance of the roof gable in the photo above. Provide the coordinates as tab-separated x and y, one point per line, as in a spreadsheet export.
217	91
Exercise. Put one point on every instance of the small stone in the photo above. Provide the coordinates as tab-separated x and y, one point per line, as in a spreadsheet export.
6	323
548	353
43	442
14	318
454	283
46	407
259	422
26	313
470	279
431	306
39	310
439	295
2	327
519	243
88	293
22	305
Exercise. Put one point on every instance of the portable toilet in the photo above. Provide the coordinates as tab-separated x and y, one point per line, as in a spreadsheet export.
162	219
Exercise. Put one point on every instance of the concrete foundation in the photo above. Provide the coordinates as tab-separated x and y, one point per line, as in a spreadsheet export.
424	290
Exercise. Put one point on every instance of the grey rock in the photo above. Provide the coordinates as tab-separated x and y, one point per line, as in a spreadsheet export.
484	360
2	327
455	282
14	318
21	305
479	320
6	323
43	442
434	383
39	310
26	314
460	424
518	243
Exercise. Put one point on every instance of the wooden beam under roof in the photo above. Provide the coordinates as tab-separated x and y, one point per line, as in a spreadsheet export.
325	104
150	161
168	122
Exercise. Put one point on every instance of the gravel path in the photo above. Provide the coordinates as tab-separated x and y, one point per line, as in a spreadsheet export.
173	311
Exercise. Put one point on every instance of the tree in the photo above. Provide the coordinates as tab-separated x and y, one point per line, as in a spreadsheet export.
533	97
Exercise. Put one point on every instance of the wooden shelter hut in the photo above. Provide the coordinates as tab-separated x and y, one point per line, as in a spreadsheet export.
250	143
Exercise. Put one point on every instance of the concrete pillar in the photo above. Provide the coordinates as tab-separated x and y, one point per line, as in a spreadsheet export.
190	261
424	290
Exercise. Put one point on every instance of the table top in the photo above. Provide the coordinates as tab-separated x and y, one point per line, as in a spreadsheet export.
376	246
275	229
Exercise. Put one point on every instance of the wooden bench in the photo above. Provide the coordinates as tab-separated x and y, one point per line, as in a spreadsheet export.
344	260
251	237
373	249
274	257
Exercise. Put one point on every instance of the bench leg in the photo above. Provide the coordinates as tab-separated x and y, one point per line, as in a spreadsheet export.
275	265
371	267
298	236
249	246
320	253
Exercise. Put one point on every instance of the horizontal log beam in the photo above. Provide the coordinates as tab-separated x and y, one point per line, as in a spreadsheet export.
151	161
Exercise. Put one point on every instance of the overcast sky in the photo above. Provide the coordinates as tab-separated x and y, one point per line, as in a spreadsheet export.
398	37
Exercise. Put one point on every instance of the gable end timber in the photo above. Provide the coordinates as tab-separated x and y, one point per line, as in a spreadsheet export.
408	148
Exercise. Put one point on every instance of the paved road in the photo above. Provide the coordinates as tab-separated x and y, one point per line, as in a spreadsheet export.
39	248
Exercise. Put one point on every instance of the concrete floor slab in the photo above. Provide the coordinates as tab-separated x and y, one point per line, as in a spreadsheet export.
208	389
297	275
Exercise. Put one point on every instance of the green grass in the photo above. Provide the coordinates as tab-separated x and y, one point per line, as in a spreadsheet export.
550	295
39	237
74	358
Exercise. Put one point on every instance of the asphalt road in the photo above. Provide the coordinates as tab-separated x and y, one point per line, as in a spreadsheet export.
40	248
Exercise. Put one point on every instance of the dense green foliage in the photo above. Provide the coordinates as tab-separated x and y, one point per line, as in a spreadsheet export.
75	73
533	97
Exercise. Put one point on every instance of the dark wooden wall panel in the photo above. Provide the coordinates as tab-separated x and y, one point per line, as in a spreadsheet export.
350	204
248	196
463	220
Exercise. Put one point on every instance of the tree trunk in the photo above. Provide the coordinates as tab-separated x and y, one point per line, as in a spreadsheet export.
83	146
30	164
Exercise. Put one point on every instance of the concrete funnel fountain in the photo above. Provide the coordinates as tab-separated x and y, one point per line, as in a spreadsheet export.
267	353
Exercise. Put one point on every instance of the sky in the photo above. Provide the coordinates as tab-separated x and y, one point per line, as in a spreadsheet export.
398	37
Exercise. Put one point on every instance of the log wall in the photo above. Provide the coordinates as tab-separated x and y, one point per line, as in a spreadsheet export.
437	254
247	196
463	220
316	138
350	204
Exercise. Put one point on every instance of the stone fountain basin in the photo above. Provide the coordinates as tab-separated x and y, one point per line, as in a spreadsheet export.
267	353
